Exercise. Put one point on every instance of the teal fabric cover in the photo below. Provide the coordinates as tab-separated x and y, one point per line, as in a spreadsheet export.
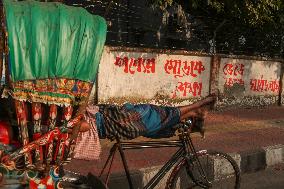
53	40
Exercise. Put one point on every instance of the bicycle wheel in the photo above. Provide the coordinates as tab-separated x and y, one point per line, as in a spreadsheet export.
209	169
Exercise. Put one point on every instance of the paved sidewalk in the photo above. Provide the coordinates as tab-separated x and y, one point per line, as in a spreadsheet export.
255	136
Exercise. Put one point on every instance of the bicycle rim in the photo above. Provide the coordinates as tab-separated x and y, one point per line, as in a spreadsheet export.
211	169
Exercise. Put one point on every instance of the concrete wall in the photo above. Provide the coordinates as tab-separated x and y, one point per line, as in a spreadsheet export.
159	78
178	78
248	82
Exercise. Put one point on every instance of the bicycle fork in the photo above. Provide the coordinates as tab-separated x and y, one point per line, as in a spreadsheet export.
194	157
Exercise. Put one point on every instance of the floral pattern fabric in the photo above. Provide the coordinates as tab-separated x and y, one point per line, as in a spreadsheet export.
63	92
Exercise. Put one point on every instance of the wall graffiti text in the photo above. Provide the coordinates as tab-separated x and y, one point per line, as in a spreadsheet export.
186	88
262	85
184	68
132	65
233	73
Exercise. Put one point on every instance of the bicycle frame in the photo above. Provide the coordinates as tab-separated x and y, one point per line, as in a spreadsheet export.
185	148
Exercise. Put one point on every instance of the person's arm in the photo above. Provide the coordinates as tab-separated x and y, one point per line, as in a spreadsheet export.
91	111
206	101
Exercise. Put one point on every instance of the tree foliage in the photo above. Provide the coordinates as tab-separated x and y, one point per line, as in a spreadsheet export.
162	4
252	12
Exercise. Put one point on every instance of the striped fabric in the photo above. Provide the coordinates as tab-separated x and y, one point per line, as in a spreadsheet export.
130	121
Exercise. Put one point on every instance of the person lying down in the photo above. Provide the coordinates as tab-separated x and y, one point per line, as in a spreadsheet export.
131	121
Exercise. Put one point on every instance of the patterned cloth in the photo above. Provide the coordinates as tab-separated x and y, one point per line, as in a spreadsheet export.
88	143
61	91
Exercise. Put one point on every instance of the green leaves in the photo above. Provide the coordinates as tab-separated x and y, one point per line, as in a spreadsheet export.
252	12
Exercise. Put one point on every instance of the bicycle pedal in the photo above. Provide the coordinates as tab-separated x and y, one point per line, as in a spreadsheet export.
73	178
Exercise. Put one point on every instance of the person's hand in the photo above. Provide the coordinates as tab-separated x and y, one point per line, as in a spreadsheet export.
210	99
213	97
84	126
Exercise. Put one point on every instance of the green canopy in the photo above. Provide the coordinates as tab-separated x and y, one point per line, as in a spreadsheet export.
53	40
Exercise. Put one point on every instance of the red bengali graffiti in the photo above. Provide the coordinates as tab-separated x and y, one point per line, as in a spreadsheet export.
231	81
231	72
132	65
261	85
233	69
185	68
186	88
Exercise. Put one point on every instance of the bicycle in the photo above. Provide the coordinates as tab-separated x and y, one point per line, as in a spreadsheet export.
190	168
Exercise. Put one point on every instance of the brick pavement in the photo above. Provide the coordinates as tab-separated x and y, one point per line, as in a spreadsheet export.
237	130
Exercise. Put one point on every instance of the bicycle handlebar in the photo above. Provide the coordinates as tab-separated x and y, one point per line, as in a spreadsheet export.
194	125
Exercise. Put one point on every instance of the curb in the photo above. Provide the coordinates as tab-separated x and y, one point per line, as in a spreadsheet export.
248	161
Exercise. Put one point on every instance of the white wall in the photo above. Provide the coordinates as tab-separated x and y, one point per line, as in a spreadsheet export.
250	82
150	76
174	79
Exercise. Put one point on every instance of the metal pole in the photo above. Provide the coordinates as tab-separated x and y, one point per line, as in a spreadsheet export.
125	164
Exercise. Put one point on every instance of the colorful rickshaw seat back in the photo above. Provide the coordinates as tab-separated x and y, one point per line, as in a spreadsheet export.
53	58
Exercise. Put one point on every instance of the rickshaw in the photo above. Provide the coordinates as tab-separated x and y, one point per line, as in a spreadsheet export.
51	54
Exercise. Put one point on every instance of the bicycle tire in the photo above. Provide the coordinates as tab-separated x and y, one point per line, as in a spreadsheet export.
221	171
